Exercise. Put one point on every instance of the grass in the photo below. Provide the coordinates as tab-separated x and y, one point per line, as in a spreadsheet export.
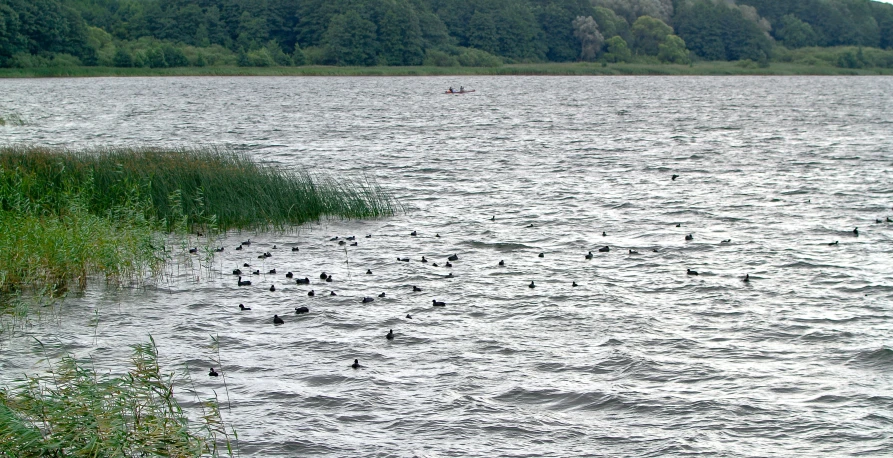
206	186
66	215
74	411
818	67
11	119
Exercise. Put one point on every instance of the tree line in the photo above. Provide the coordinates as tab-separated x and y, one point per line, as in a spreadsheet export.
166	33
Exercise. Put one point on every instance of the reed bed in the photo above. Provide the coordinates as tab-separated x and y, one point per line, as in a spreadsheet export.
11	119
206	186
65	215
74	411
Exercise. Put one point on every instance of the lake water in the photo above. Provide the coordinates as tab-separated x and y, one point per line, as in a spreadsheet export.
639	360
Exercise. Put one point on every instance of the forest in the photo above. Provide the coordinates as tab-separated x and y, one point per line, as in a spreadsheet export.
473	33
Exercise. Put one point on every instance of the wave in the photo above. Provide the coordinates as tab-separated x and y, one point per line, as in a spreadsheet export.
498	246
881	358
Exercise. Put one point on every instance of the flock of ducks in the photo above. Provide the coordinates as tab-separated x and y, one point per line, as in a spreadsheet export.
277	320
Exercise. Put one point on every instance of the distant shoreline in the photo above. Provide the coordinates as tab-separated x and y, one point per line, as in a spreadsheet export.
544	69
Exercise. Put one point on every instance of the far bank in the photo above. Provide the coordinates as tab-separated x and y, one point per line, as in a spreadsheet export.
545	69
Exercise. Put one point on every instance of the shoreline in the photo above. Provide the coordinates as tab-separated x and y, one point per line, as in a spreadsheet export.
547	69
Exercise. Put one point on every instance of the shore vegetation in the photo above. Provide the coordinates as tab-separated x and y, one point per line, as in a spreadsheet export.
69	214
72	410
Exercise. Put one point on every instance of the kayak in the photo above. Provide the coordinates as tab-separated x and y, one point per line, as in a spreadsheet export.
457	92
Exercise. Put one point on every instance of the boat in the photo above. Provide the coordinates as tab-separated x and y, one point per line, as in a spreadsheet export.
458	92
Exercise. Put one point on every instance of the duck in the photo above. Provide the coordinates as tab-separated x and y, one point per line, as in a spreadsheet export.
448	264
437	303
274	247
501	263
604	249
243	308
403	259
268	255
746	278
289	275
691	272
381	295
437	235
366	300
239	247
368	236
246	265
678	224
261	256
356	364
434	264
833	243
726	241
530	225
413	233
416	289
272	287
300	310
856	232
244	283
302	281
368	271
604	234
323	276
351	238
332	293
213	373
589	255
353	244
542	255
237	271
574	284
329	279
219	250
674	177
294	248
449	275
333	239
493	218
247	242
272	271
655	250
311	293
878	221
633	252
689	237
408	316
390	335
342	242
454	257
423	259
531	285
277	320
256	272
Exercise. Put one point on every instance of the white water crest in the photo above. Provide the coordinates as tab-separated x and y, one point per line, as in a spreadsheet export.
640	359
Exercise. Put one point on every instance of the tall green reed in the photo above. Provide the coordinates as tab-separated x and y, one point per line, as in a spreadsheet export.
213	183
75	411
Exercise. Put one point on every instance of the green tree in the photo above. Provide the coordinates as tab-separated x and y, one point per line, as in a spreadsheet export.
482	32
648	33
123	58
155	58
399	36
610	24
298	57
617	50
673	51
350	40
794	33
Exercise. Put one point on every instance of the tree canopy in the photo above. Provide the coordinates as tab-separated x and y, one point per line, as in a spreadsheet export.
412	32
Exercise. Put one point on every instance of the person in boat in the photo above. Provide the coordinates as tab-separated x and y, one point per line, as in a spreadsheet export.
451	89
461	89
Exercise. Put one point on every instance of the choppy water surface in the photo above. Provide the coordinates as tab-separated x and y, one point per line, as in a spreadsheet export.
639	360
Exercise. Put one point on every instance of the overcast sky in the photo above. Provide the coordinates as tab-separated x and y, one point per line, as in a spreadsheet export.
884	1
